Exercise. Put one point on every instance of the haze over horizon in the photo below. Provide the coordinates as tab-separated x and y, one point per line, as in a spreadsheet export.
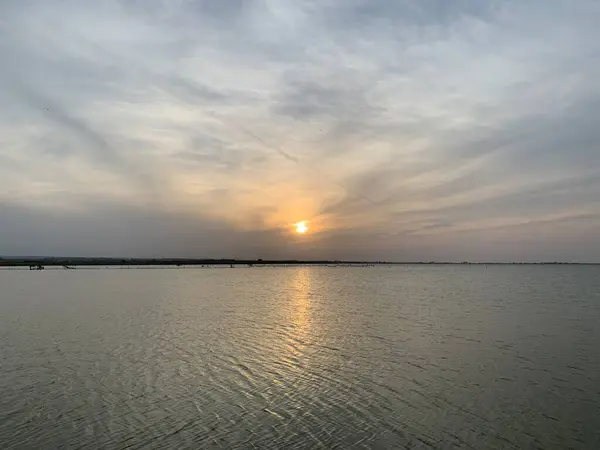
404	130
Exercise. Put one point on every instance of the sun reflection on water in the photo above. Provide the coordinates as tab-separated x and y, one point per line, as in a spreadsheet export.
300	318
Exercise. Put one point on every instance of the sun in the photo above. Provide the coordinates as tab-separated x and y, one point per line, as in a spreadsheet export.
301	227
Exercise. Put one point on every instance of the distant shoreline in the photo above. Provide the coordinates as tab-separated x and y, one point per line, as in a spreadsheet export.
74	262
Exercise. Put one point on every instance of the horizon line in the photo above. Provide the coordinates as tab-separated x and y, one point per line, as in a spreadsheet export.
111	260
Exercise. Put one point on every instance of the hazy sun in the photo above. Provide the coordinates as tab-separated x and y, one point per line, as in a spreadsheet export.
301	227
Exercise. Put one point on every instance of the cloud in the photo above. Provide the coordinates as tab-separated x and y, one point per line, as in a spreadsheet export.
403	129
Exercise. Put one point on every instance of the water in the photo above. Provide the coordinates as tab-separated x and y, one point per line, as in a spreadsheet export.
503	357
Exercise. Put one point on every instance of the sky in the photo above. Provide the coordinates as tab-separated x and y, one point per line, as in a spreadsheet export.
399	130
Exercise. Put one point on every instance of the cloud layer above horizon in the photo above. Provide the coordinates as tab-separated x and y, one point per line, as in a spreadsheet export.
400	130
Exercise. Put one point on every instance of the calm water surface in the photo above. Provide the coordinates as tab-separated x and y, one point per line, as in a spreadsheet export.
504	357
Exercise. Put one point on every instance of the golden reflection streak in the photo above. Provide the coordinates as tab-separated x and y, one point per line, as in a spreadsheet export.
300	314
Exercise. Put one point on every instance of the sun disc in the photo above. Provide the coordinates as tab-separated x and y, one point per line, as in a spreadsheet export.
301	227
